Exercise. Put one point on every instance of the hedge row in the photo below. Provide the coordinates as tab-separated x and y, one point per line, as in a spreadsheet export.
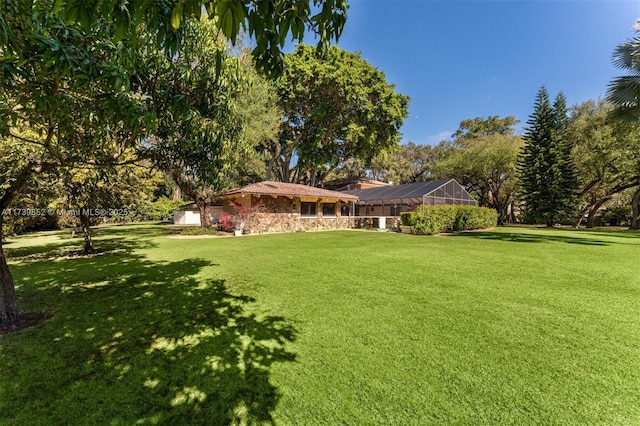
429	220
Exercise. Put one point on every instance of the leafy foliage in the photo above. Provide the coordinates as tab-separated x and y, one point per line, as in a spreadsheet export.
479	127
68	68
104	194
406	218
606	153
269	22
161	209
261	117
483	158
429	220
624	91
336	108
193	94
63	102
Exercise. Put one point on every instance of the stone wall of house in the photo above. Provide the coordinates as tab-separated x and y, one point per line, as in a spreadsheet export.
261	223
320	223
282	214
276	205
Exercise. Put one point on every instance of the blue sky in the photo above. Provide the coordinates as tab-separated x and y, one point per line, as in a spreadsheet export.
465	59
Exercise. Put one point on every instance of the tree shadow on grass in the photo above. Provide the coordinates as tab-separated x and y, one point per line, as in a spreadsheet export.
533	238
135	230
138	342
107	239
627	233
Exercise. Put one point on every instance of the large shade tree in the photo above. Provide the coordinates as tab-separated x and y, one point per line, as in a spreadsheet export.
63	102
482	156
69	83
261	116
606	153
486	167
336	108
97	194
193	93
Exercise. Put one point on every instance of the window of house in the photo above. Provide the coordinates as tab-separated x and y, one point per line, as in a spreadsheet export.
328	209
308	210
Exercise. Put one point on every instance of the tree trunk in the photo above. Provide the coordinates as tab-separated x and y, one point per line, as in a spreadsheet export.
86	233
503	215
512	213
591	217
204	217
8	304
635	211
177	194
581	216
312	175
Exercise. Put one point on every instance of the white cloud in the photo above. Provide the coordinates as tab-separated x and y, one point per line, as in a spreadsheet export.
437	138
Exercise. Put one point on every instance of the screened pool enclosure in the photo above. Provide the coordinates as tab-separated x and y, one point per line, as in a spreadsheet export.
391	200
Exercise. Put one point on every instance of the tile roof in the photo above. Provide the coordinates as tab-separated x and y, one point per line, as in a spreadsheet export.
289	190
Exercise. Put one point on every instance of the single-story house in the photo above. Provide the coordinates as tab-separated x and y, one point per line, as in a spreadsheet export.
392	200
288	207
189	214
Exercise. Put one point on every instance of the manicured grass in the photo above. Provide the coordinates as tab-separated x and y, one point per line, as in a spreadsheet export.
510	326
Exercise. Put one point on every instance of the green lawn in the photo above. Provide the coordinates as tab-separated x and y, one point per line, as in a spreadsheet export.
512	326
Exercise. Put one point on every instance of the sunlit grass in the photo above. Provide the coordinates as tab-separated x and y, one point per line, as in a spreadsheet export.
512	326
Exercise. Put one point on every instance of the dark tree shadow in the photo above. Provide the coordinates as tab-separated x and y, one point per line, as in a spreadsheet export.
120	239
134	341
519	237
628	233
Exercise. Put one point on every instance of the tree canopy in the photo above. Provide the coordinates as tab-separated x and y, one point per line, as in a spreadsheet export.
606	154
335	108
71	92
270	23
486	167
194	95
479	127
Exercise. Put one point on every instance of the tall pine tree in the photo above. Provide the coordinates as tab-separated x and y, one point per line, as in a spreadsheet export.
546	170
568	184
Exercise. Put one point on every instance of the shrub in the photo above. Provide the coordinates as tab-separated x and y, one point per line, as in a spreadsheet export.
198	230
429	220
617	215
225	221
407	218
470	217
160	210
